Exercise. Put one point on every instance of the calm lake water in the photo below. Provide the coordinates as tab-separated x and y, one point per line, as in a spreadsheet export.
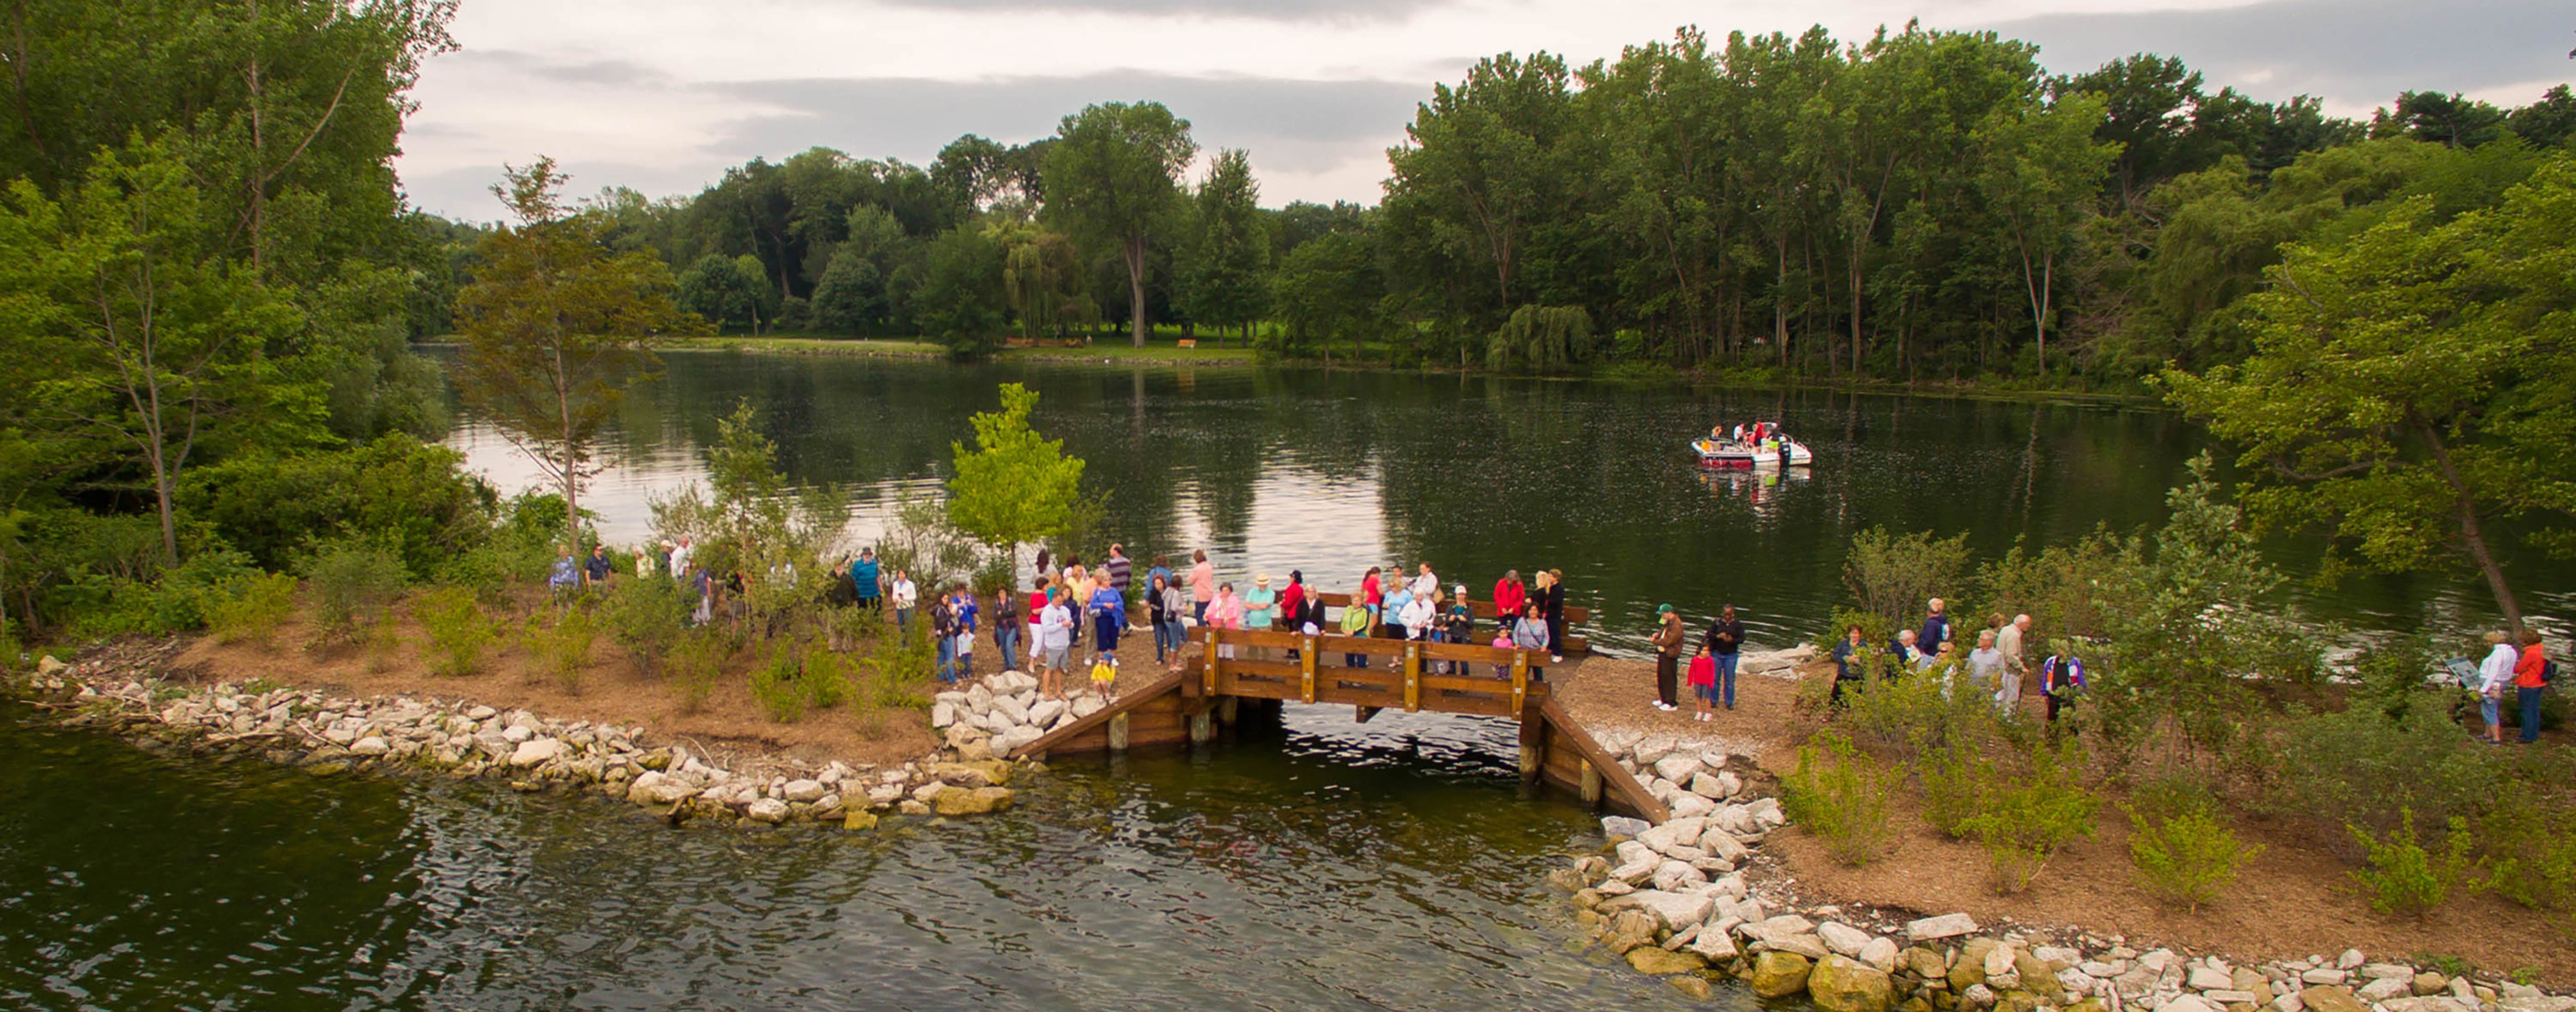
1315	865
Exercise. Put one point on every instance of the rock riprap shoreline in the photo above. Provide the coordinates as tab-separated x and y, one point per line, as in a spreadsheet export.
328	735
1675	899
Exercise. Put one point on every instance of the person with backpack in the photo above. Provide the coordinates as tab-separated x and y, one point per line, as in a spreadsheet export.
2061	676
2530	675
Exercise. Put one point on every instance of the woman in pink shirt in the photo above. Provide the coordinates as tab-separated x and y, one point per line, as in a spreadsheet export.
1202	586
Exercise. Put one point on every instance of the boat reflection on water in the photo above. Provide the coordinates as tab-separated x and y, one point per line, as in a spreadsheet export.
1758	488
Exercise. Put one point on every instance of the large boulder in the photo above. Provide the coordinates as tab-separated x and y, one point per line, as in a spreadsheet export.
1779	974
1628	929
808	791
971	801
1655	960
1843	939
987	773
1674	911
1621	825
2330	998
767	810
1678	767
1841	984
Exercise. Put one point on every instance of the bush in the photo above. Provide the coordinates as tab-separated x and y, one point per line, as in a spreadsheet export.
2185	856
2361	767
2530	850
778	686
1895	575
252	608
457	628
696	660
413	496
562	647
1955	781
2404	878
645	616
2023	822
826	677
1840	794
354	580
1917	711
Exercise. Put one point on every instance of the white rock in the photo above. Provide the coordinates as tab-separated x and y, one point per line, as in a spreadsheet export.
1047	711
2325	976
1685	806
1766	813
1880	954
2227	996
804	790
1677	767
1707	786
1714	946
1677	875
2210	978
1999	962
1843	939
1777	928
1944	926
1674	910
1011	708
767	810
2350	960
369	746
517	733
2376	971
943	713
2187	1003
979	700
536	750
1651	748
2382	989
1086	705
482	713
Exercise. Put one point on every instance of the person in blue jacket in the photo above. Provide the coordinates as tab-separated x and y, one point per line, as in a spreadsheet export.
863	574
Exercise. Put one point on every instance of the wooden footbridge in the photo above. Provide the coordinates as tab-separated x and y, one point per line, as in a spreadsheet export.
1227	670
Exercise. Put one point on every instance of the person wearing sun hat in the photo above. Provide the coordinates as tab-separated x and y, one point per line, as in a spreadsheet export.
1669	635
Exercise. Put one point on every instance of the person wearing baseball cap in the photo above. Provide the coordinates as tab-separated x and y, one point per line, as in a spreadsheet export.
1669	635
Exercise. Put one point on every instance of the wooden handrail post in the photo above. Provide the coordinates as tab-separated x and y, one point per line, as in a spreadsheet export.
1520	679
1306	660
1412	676
1211	632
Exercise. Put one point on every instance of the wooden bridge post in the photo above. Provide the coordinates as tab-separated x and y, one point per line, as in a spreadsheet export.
1520	681
1591	785
1227	708
1203	725
1412	676
1533	740
1118	733
1211	632
1306	659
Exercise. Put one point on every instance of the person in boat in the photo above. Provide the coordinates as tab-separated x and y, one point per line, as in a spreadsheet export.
1739	432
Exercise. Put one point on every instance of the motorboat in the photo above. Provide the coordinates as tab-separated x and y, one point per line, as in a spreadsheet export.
1774	451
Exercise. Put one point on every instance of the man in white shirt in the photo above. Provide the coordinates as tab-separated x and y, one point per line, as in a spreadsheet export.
905	596
2496	675
1055	646
680	558
2009	643
1417	614
1426	584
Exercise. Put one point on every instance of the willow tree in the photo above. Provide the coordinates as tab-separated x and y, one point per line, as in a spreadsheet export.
556	328
1114	176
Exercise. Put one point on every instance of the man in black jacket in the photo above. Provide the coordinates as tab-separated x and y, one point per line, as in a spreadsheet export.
1725	642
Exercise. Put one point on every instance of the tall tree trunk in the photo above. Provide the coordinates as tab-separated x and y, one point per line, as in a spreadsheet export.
1136	285
259	154
2471	534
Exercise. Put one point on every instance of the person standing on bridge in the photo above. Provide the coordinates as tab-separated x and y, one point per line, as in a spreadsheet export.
1668	638
1419	611
1725	642
1370	597
1225	613
1459	627
1425	582
1202	586
1163	612
1552	606
1530	633
1509	595
1355	622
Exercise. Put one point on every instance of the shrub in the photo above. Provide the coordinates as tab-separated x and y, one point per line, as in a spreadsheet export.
2185	855
414	496
1917	711
458	629
1840	794
778	686
826	677
2530	850
2361	767
2404	878
696	659
1955	781
1894	575
252	609
645	616
354	580
562	647
2023	822
383	640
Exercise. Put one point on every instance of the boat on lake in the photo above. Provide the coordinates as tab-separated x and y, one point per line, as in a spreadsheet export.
1774	451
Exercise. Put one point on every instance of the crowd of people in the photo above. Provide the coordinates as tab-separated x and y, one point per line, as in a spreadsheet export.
1997	666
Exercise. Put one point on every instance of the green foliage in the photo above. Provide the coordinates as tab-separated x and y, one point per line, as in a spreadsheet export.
1840	794
1956	780
2055	586
1112	177
752	524
1542	339
825	676
1916	712
643	615
1228	253
251	608
1016	486
778	685
412	495
2528	842
561	645
962	296
2360	767
2186	855
2402	878
354	581
724	291
2026	819
1894	575
457	628
696	663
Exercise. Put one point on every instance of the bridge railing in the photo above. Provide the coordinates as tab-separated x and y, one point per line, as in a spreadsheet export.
1411	674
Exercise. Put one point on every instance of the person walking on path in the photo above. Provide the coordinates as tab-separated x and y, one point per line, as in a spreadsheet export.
1007	625
1202	586
1120	569
1936	629
1055	643
1509	595
1668	638
1847	666
2495	672
1529	632
2011	640
905	595
867	588
2529	677
1552	608
1986	668
1355	622
1725	642
597	571
1459	626
1703	685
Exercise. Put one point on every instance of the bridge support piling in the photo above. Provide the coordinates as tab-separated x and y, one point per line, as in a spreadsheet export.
1591	785
1203	725
1118	733
1228	709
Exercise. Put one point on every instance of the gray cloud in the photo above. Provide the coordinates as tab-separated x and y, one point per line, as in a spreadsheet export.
613	72
1290	124
1265	10
2356	54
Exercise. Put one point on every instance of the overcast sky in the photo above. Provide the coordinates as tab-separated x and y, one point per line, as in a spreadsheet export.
662	95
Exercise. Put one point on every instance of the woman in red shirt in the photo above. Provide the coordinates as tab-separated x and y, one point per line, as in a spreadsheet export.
2527	684
1509	596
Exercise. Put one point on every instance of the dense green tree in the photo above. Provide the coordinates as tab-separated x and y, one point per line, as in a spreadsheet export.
962	298
1326	291
556	328
1113	178
2041	169
1015	486
850	300
724	290
2409	388
1226	279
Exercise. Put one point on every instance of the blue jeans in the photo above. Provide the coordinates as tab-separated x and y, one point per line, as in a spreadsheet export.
903	621
1168	639
947	659
2529	697
1007	640
1726	677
